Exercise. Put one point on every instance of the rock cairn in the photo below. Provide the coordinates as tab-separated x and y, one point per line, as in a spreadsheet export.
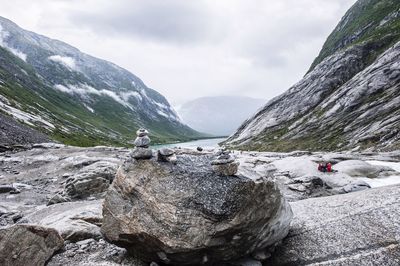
225	164
142	143
166	155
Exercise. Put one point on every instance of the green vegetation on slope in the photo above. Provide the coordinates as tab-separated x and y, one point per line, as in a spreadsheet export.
111	124
364	22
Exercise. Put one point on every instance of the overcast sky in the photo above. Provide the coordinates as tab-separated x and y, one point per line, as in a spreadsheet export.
187	49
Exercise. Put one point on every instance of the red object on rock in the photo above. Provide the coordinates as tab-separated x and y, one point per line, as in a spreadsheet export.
329	167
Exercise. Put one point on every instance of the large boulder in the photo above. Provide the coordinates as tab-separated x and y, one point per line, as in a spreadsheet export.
90	180
74	221
360	228
22	245
358	168
185	214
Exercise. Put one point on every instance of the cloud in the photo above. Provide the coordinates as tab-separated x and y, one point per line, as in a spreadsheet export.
189	49
85	90
156	20
3	36
68	62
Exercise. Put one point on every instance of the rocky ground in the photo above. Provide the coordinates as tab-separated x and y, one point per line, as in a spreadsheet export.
73	182
12	132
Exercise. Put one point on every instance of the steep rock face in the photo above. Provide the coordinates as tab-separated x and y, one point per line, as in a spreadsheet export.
360	228
185	214
77	98
344	102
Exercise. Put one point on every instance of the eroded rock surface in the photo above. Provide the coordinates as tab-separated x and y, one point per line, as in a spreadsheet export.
359	228
22	245
186	214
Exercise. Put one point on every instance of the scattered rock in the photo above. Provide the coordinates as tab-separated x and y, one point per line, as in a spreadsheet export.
199	149
185	214
225	164
7	189
28	245
58	199
47	146
356	186
166	155
93	179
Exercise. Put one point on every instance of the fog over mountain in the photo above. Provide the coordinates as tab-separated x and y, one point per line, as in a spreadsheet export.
220	115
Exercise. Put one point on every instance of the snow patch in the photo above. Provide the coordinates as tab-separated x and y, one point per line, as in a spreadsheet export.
25	117
89	108
115	97
66	61
126	95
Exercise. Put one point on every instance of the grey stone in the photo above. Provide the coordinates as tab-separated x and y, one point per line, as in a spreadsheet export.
6	188
166	151
184	214
142	132
358	168
92	179
74	221
166	155
229	169
247	262
22	245
57	199
142	153
142	142
356	186
360	228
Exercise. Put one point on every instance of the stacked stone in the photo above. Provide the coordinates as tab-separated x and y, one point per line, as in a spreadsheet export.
225	164
166	155
142	143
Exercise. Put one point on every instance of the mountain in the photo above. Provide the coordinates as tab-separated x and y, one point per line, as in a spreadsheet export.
76	98
219	116
349	99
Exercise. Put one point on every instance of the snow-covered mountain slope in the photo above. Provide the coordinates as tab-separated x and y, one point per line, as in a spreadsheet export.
76	98
351	99
220	115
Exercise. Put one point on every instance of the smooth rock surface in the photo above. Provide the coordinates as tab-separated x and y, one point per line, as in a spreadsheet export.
74	221
184	214
22	245
357	168
361	228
